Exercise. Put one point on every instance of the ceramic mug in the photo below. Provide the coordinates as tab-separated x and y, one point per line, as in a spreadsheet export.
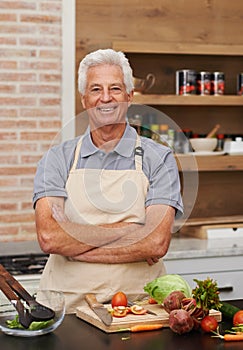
142	85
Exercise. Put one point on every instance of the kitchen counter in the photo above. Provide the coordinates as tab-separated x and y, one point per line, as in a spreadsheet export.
76	334
19	248
180	247
188	248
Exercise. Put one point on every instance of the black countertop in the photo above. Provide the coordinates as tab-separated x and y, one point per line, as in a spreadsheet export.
75	334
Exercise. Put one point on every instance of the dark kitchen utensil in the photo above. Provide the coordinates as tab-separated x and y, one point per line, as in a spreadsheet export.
15	292
24	316
99	309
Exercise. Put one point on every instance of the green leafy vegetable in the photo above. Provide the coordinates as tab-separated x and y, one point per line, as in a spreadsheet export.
162	286
206	294
14	323
34	326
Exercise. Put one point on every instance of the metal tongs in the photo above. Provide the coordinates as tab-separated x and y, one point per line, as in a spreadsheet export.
28	308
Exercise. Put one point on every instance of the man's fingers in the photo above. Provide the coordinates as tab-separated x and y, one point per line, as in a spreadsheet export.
152	261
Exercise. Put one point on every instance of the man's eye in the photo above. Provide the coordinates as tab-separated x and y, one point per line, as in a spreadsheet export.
116	89
95	90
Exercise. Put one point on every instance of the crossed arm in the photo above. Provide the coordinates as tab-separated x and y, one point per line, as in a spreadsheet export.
109	243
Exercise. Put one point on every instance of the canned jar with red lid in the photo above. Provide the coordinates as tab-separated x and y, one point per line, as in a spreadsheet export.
240	84
217	83
204	83
186	81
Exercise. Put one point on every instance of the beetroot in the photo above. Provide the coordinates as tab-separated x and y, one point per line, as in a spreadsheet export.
197	313
189	304
180	321
173	301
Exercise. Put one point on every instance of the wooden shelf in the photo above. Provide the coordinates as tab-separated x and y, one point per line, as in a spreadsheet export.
209	163
142	47
177	48
193	100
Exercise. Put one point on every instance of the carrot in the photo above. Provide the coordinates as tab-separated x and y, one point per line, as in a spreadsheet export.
233	337
142	327
238	336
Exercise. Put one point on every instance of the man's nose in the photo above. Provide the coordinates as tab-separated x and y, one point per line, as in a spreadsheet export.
106	95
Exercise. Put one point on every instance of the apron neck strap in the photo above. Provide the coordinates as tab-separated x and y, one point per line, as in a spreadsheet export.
138	154
76	155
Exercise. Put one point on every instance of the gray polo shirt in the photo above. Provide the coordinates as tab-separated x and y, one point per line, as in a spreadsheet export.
158	164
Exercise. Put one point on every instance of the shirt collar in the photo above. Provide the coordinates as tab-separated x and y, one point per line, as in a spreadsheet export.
125	146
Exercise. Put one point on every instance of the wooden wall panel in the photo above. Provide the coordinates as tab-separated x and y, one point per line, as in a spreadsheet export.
100	22
220	194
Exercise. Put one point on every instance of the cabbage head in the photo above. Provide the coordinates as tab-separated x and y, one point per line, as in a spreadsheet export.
162	286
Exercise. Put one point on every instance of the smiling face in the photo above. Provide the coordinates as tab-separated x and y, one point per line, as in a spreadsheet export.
105	99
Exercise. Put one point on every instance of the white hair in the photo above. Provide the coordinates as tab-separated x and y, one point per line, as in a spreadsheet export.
105	56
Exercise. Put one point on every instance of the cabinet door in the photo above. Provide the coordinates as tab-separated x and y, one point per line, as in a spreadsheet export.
227	271
229	283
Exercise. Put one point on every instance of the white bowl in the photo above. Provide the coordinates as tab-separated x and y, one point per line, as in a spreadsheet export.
203	144
53	299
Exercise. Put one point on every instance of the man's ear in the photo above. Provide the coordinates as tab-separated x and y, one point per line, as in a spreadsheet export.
82	98
130	97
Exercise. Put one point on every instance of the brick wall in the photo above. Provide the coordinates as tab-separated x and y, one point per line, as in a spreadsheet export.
30	104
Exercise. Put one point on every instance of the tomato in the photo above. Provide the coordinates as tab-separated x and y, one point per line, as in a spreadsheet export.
209	323
119	311
119	299
152	301
137	310
238	318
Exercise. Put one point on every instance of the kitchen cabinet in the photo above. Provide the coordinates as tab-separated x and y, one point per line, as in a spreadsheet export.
227	271
220	177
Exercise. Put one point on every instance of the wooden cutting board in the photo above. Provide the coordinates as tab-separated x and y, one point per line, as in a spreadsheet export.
85	313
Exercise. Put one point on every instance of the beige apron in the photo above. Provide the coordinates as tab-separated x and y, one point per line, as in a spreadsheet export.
95	197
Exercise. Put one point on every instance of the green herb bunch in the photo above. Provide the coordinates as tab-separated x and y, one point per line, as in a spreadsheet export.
206	294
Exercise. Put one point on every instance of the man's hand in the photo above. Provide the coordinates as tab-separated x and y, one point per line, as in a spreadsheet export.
152	261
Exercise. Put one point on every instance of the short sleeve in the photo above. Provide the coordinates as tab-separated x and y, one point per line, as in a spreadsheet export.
163	175
52	173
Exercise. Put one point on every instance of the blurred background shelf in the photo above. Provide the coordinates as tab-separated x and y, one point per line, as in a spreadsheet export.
194	100
177	48
210	163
